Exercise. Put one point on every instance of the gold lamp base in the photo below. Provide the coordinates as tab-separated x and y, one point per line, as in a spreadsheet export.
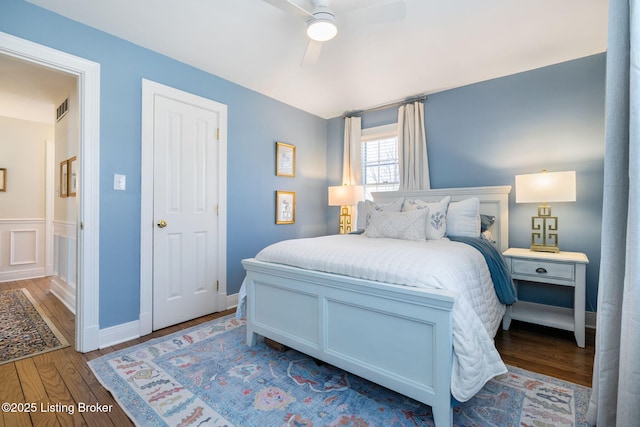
346	226
542	248
544	237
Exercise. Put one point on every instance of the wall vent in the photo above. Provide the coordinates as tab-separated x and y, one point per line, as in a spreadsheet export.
62	110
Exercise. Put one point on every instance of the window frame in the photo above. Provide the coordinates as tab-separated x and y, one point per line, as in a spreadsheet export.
372	134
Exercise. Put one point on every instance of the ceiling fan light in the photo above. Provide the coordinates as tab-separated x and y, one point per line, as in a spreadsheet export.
322	27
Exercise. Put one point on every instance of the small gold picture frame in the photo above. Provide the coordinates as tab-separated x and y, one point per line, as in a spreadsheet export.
3	179
64	178
285	159
285	207
72	176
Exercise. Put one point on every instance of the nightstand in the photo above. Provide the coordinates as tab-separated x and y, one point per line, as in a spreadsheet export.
561	269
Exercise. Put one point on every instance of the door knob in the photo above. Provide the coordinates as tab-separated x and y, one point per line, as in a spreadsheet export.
162	223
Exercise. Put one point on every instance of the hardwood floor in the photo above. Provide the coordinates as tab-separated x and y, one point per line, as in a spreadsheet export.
61	379
547	351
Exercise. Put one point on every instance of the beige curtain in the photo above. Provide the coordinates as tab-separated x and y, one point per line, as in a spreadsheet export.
412	148
615	396
351	163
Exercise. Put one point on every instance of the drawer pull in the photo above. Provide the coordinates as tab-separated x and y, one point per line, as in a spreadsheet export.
541	270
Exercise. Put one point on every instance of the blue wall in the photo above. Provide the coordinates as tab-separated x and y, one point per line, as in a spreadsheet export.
486	133
481	134
255	123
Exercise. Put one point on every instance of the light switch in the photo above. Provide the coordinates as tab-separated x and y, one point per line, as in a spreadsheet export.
119	182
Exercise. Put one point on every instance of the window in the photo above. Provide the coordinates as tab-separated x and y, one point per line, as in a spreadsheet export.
379	150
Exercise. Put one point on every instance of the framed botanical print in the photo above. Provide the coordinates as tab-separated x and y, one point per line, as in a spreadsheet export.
285	207
64	178
285	159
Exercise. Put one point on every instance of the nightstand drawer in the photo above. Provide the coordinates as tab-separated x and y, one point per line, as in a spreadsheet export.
528	269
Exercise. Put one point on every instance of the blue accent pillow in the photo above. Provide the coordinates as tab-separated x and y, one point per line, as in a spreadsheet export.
486	221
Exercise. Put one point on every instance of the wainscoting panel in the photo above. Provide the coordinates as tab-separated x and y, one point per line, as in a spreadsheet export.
22	246
63	282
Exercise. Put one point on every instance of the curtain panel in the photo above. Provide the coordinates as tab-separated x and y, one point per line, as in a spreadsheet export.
412	148
616	374
351	164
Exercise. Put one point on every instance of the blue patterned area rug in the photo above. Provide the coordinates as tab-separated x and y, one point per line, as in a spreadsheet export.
207	376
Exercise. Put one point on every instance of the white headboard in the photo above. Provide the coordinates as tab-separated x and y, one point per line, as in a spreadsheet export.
494	201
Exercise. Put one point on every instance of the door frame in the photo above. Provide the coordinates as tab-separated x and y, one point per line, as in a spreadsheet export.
49	195
88	207
150	90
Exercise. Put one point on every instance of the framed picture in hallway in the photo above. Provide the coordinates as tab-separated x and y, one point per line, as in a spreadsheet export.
3	179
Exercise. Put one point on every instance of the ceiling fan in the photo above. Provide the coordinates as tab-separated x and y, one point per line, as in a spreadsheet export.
321	19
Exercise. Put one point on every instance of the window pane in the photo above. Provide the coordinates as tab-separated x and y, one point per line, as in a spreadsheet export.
380	165
380	161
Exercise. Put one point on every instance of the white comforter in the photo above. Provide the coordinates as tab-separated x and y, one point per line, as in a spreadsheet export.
440	264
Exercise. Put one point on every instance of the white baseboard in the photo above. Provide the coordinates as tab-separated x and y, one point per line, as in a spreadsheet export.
64	292
133	330
119	334
232	301
15	275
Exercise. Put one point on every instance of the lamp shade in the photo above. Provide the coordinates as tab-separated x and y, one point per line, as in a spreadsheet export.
546	187
345	195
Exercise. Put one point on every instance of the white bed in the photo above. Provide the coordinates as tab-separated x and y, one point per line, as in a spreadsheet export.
401	337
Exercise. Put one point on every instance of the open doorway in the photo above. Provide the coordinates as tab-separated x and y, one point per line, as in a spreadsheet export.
38	221
87	75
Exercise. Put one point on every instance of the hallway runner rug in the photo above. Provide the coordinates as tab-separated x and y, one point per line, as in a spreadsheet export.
25	330
207	376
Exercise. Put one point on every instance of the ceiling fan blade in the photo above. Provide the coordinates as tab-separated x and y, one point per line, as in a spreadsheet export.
312	54
289	7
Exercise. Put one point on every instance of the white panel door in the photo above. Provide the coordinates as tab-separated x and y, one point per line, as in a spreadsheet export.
185	202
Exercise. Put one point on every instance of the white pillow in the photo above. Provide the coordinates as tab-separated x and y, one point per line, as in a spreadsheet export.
437	219
397	225
463	218
367	206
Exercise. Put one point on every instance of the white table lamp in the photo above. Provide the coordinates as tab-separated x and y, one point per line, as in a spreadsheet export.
542	188
345	196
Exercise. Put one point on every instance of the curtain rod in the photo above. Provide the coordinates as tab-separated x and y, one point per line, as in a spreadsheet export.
385	106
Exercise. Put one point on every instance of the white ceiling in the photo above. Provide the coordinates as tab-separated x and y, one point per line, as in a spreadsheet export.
440	44
30	92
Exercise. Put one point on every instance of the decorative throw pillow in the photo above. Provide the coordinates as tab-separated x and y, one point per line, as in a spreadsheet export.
367	206
486	221
488	236
397	225
437	219
463	218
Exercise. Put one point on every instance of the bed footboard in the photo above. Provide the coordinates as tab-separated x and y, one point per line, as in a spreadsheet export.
396	336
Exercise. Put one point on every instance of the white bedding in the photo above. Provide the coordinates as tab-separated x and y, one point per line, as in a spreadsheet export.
440	264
